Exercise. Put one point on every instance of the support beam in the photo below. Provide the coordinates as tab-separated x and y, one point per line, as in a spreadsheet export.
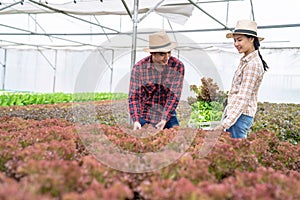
127	9
252	10
54	76
11	5
227	13
151	10
69	15
36	22
145	32
4	69
111	70
27	32
201	2
134	32
192	2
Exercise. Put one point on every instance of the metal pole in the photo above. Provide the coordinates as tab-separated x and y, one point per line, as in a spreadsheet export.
208	14
127	9
134	32
252	10
55	67
134	36
21	2
67	14
151	10
4	69
227	13
111	70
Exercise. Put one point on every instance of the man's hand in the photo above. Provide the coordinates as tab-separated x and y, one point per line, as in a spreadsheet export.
137	126
161	124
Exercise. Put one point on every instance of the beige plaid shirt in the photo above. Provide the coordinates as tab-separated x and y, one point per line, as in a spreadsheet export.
242	98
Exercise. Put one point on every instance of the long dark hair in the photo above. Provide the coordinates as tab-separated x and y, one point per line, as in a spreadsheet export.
256	46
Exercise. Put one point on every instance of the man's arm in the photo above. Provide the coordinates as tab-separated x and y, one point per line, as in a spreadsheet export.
134	95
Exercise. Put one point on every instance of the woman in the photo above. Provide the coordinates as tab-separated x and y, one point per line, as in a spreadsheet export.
242	98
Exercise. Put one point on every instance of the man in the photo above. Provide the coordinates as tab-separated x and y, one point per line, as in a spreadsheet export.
155	85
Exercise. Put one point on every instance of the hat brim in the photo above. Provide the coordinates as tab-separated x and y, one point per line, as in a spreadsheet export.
230	35
172	46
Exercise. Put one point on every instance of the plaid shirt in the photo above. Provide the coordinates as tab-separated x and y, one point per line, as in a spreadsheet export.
154	95
242	97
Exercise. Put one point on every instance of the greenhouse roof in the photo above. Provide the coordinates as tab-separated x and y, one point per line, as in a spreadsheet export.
89	23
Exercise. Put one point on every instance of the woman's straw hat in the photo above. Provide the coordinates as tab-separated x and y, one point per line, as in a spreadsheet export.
245	27
160	42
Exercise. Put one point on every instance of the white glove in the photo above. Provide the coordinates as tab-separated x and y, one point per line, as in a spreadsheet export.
137	126
161	124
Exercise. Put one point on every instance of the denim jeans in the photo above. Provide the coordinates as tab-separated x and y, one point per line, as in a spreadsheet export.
170	124
241	126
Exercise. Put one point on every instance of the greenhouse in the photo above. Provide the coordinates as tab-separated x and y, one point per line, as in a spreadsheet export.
65	130
52	42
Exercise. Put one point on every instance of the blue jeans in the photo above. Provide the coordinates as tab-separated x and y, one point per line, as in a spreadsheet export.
170	124
241	126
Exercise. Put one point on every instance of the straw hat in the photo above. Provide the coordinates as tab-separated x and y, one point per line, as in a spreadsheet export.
245	27
160	42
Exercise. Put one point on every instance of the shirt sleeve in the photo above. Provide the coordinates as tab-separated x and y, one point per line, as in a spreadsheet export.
174	93
134	94
241	99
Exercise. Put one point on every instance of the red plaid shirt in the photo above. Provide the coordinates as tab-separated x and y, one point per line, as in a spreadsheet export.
154	95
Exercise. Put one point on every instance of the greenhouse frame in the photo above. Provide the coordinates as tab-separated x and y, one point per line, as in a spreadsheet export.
89	45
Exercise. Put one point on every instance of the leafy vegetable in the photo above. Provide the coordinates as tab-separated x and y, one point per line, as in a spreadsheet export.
22	99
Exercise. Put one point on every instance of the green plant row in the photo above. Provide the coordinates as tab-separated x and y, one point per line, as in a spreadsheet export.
23	99
282	119
203	111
